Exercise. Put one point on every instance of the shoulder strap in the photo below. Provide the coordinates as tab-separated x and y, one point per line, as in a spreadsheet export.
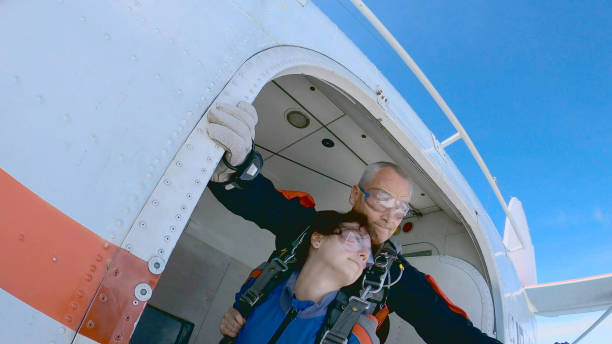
365	330
277	269
272	273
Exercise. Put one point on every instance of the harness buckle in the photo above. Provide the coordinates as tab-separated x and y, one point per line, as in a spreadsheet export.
362	305
280	264
373	286
332	338
250	297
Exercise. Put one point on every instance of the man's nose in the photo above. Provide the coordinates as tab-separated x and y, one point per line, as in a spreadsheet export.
364	253
387	214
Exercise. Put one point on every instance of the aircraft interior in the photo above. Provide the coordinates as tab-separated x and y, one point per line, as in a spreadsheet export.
316	138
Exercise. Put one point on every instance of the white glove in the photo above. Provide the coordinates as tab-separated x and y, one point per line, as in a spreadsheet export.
232	127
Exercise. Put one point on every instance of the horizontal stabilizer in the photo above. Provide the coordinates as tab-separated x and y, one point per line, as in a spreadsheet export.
569	297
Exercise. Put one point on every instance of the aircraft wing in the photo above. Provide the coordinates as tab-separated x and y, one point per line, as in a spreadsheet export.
575	296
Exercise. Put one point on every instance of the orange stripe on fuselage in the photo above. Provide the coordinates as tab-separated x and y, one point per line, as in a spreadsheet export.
114	311
49	261
60	268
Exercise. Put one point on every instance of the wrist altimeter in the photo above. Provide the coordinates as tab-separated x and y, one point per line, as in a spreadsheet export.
245	172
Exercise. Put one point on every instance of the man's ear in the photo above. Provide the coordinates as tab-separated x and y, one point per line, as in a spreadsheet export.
315	239
354	196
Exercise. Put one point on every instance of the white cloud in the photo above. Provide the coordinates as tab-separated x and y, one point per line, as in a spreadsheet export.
600	217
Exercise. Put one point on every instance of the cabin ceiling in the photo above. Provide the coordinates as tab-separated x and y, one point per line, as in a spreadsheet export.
296	159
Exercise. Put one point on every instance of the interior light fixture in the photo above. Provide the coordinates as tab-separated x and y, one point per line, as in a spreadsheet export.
298	119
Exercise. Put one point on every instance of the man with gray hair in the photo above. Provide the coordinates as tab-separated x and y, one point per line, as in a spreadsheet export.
382	194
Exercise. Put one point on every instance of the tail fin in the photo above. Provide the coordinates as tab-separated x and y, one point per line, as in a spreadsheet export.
522	256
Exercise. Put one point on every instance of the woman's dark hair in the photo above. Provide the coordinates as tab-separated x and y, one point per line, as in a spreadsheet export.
327	222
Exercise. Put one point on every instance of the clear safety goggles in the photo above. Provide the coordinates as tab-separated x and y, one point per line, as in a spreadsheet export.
353	238
382	201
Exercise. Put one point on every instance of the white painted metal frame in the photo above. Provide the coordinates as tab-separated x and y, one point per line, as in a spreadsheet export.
164	216
461	133
245	85
595	324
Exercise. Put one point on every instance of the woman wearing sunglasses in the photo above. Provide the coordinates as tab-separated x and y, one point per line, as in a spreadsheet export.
332	255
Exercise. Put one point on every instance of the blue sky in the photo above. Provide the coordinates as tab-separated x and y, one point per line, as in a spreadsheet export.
530	81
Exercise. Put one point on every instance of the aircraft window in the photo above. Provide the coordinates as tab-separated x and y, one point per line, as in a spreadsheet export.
418	254
419	249
158	327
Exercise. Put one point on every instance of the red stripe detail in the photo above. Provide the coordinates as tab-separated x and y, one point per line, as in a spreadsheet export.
361	334
569	281
254	274
381	315
49	261
114	312
450	304
306	199
66	271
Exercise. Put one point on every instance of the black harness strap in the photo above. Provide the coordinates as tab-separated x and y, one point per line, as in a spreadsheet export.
343	326
276	270
272	274
346	310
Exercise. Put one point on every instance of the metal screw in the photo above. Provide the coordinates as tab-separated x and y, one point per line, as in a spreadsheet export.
143	292
156	264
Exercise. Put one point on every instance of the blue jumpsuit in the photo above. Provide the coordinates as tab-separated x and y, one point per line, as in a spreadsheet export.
267	317
412	298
